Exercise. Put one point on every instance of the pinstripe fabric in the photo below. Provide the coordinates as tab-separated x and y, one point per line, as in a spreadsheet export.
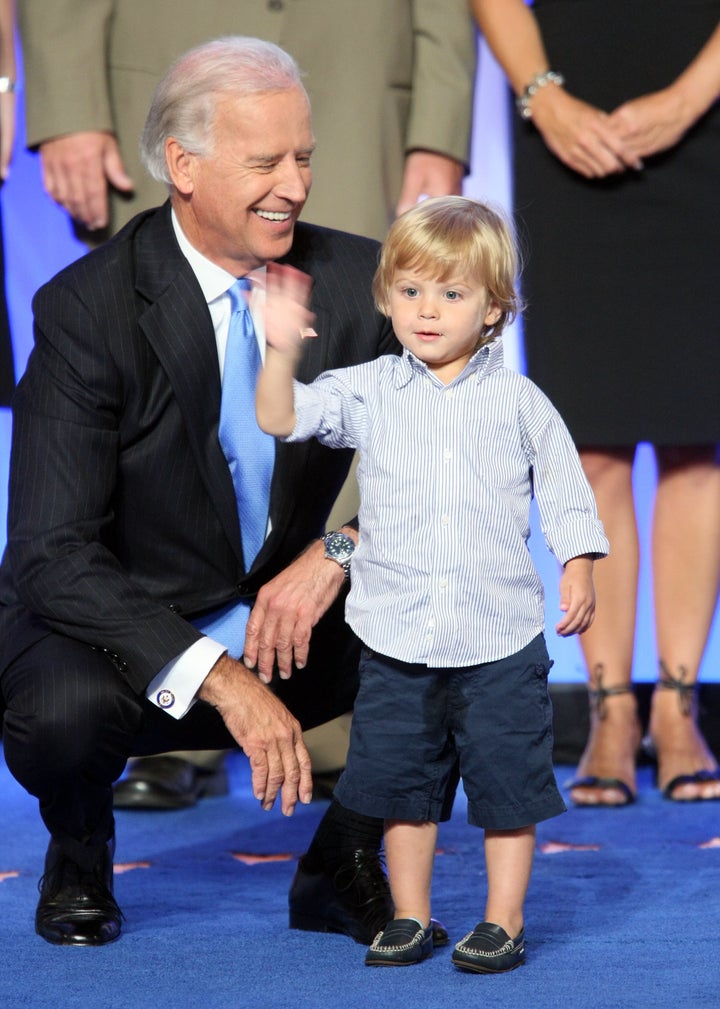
442	574
122	517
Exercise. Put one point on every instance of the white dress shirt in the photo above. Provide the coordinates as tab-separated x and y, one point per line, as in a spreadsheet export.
175	687
442	574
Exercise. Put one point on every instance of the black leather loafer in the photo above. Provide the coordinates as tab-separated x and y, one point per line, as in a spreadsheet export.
402	942
488	949
355	901
166	783
76	906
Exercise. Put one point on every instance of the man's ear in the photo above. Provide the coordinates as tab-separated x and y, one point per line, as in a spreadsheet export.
180	166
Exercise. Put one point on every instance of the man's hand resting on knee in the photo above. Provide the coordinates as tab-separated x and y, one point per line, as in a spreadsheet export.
266	731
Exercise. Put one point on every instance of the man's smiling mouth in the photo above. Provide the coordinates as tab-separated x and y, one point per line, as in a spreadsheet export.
274	215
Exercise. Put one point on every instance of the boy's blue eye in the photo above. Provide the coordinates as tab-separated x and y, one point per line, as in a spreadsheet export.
411	292
452	295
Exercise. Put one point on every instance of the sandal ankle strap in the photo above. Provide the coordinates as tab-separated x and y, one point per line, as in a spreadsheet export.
599	693
685	691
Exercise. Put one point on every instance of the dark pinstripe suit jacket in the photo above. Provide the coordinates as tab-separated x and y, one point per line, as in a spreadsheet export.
122	514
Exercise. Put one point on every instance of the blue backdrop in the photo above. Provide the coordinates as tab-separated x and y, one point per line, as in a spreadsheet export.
39	241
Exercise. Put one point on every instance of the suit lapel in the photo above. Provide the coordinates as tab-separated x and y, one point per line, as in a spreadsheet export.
177	325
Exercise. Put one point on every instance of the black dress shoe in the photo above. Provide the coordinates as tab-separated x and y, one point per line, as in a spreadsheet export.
76	906
353	901
167	783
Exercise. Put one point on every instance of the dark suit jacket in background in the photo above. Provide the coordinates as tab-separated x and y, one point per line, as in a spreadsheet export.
122	517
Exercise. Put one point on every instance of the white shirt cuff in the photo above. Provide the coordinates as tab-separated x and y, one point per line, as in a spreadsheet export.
175	687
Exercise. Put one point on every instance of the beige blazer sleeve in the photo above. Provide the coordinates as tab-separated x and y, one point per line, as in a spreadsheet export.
443	79
64	45
384	77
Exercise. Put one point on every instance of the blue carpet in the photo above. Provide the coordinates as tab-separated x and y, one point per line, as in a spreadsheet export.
624	911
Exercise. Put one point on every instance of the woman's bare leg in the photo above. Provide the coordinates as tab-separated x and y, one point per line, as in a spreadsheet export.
686	576
608	645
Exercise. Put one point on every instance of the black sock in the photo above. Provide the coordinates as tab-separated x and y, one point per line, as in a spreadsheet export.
341	832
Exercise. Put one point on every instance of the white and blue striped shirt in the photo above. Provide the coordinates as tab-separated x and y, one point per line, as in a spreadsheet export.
442	574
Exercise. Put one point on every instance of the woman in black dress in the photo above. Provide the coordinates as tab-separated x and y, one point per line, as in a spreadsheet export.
617	161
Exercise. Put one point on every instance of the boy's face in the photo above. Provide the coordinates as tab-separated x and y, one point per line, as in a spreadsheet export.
440	322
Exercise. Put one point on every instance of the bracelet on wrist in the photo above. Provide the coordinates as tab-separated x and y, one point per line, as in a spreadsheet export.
522	103
7	84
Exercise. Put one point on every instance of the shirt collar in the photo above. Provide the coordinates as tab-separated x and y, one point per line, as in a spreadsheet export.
214	281
484	361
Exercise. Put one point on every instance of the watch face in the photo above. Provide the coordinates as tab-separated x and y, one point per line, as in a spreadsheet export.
339	547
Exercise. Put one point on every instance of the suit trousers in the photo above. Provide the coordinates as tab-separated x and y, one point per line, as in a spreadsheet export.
71	722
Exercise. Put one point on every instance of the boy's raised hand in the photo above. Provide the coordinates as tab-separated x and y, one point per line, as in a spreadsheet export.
288	319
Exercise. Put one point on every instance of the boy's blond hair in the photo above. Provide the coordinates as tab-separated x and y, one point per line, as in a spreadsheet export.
450	237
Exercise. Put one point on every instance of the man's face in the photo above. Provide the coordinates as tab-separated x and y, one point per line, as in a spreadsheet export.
243	200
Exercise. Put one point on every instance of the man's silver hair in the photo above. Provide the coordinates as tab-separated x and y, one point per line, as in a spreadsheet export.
184	103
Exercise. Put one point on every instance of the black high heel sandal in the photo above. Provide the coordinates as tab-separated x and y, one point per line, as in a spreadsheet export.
598	697
686	694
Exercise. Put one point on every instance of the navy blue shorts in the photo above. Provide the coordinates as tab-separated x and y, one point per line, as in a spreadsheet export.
412	724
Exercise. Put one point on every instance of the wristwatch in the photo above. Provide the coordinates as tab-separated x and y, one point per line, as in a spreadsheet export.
339	548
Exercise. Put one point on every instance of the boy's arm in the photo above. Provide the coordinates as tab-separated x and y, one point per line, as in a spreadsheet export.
287	323
274	406
577	596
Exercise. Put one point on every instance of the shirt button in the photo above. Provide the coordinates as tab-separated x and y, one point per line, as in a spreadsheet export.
445	520
443	583
447	453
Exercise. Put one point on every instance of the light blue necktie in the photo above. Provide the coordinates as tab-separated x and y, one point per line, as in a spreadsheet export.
227	626
249	451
